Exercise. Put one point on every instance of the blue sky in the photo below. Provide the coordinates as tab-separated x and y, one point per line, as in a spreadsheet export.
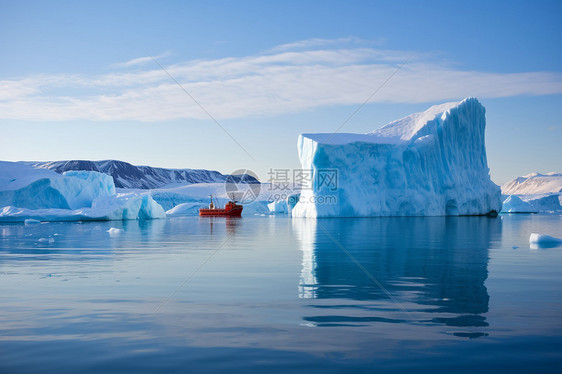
77	82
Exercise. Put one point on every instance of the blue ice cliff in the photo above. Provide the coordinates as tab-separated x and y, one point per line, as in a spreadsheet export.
431	163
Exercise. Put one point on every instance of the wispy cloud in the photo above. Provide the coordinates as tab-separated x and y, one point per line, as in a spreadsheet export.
287	80
323	43
139	61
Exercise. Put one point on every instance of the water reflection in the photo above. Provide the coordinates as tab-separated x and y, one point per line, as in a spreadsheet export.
42	241
433	268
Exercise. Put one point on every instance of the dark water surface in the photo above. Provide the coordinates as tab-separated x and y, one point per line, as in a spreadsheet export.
271	294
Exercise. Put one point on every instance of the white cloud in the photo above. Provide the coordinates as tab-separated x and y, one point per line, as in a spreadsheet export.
268	84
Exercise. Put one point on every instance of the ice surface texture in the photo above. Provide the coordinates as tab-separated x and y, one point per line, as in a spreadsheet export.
30	193
427	164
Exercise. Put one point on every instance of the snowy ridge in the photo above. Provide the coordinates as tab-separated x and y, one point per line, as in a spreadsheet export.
534	183
126	175
533	193
426	164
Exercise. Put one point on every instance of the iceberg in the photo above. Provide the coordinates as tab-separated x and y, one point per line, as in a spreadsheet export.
537	241
27	193
186	209
24	186
533	203
431	163
514	204
277	207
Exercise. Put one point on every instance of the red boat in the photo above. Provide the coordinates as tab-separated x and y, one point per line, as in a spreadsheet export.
231	209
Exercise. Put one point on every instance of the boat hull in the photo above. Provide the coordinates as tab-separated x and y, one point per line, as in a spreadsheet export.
234	212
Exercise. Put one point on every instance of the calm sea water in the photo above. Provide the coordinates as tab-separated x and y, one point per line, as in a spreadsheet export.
271	294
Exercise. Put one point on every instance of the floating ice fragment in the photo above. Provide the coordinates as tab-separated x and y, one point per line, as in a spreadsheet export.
46	240
31	221
115	231
543	239
537	241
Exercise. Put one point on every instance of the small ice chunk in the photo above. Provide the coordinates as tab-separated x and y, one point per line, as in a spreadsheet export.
46	240
540	238
115	231
31	221
543	239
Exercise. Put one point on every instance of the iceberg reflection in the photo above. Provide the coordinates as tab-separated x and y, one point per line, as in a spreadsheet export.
404	269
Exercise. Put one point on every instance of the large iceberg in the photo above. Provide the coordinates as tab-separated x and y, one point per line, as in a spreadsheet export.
29	193
427	164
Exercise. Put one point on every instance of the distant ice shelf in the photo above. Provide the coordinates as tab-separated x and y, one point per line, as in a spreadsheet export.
427	164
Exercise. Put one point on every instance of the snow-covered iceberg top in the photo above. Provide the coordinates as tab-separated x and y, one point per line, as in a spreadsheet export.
396	132
40	194
426	164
